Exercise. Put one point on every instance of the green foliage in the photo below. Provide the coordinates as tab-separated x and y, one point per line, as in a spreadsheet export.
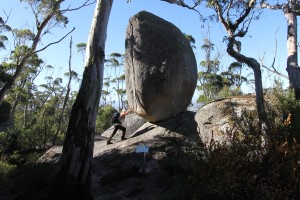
214	83
114	81
115	55
44	7
23	35
191	40
249	168
9	141
5	109
203	99
103	121
5	171
32	177
287	109
35	121
3	28
229	92
81	47
4	76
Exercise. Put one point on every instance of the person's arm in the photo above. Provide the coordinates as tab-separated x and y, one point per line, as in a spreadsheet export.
124	113
127	112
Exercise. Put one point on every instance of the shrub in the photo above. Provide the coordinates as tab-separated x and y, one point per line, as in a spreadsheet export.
5	108
5	171
247	169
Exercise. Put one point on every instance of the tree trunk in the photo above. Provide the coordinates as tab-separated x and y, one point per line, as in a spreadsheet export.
66	97
292	54
73	180
252	63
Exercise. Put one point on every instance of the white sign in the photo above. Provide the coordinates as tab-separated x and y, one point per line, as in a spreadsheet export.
142	149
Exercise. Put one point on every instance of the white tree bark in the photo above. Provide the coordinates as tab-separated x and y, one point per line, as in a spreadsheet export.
292	53
73	180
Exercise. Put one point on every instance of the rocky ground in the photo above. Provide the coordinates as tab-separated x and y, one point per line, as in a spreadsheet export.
120	172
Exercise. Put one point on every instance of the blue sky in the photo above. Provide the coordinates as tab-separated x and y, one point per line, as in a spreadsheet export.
259	43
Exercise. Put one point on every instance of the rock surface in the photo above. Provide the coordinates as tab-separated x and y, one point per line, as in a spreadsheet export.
132	122
160	68
121	173
218	120
118	172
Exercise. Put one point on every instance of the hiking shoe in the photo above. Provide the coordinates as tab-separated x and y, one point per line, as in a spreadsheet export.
108	142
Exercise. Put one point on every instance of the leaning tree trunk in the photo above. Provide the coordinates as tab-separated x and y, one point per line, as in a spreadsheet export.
292	54
255	66
73	180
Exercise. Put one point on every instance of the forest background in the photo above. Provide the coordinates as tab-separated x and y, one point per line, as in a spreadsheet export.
40	102
36	111
265	41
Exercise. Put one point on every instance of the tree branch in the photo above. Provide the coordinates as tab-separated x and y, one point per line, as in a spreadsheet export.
243	17
86	3
218	10
52	43
227	11
284	7
3	22
273	7
243	32
182	4
273	69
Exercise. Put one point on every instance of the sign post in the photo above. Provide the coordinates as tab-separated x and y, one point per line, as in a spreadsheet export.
142	149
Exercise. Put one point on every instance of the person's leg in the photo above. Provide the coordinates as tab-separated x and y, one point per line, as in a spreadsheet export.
112	135
124	131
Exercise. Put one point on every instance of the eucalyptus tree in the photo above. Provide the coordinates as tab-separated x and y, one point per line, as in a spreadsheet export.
234	80
71	75
105	91
191	40
48	14
38	112
121	91
4	27
4	76
211	83
116	62
291	11
81	48
234	74
236	16
73	180
31	69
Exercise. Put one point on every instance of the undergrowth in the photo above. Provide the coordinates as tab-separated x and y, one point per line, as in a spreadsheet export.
254	167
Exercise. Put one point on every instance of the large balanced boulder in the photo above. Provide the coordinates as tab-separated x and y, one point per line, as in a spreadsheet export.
160	68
